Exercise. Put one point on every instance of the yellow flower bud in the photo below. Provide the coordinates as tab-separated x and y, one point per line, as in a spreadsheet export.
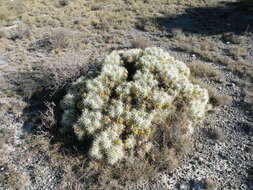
81	90
107	119
136	131
142	131
129	99
125	73
157	106
120	120
127	107
143	106
117	141
147	131
166	106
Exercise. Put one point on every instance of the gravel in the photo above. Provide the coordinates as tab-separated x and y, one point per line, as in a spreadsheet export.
225	161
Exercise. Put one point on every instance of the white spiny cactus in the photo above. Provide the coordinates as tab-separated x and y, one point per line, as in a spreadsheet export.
135	89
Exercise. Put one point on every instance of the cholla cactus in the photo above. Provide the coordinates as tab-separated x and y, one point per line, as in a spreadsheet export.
118	108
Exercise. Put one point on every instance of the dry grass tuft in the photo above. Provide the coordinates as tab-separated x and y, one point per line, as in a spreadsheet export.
237	52
178	34
221	100
202	70
140	43
215	134
48	119
210	184
11	177
48	76
59	39
235	39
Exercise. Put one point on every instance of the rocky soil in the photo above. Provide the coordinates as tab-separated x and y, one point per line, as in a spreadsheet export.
222	154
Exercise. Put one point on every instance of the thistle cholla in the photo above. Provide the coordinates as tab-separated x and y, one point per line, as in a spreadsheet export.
135	89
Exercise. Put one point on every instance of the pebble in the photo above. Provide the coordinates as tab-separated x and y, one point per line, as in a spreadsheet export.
230	84
3	61
2	168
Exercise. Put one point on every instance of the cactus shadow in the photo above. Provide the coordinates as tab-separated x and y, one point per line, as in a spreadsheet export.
207	20
42	117
39	106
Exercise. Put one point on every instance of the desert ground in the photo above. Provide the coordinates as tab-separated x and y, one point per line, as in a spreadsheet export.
47	44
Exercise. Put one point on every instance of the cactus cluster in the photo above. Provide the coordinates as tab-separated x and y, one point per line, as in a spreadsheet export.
135	89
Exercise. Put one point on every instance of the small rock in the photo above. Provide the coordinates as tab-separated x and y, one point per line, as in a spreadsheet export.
3	61
230	84
2	168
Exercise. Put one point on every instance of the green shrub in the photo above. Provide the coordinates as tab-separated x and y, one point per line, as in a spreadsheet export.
122	108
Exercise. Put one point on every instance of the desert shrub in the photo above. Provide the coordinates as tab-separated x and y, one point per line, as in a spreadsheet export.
51	76
129	102
140	43
202	70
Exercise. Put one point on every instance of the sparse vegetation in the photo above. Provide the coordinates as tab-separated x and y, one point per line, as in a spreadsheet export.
202	70
48	45
235	39
11	177
170	142
49	77
237	52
